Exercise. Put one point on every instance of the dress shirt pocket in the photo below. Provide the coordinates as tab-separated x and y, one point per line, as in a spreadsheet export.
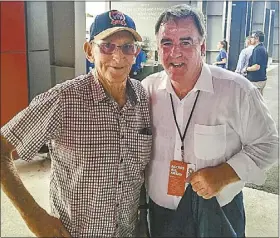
209	141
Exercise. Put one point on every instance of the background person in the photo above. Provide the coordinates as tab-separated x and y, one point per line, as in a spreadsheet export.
222	57
256	70
244	57
138	66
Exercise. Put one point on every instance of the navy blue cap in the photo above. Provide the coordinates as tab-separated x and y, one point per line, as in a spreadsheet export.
111	22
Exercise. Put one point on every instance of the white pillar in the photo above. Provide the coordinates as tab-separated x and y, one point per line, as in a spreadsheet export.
80	37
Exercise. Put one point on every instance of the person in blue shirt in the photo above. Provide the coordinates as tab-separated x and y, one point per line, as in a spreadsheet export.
139	63
256	70
221	60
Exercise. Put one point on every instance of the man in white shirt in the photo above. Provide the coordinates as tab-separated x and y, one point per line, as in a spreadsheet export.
244	57
205	119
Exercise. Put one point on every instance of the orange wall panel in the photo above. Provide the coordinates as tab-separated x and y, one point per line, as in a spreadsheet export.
12	20
14	94
14	81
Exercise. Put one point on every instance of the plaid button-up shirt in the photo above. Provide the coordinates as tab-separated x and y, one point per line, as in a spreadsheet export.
98	153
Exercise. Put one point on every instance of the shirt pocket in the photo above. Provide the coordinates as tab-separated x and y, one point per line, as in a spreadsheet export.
209	141
144	148
139	151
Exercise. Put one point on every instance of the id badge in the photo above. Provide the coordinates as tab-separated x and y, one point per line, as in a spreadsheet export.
178	173
177	178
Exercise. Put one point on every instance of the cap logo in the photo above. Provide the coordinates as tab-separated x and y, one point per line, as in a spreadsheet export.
117	18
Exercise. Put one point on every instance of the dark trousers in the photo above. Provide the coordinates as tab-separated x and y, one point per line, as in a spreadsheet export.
198	217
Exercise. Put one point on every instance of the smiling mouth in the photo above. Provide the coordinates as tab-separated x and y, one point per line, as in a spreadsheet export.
177	65
117	67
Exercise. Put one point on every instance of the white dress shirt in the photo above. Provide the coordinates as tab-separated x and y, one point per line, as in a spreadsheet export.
230	123
243	59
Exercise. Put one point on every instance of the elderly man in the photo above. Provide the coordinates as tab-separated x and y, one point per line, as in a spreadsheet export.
209	125
97	127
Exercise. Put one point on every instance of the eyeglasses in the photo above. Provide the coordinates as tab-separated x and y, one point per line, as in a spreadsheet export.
109	48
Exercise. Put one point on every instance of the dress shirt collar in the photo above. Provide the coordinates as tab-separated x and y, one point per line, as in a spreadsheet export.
204	82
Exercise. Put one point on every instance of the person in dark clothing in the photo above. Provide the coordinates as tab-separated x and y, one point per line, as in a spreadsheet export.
256	70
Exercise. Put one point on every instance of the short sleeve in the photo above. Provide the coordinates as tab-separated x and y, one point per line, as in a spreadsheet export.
223	55
31	128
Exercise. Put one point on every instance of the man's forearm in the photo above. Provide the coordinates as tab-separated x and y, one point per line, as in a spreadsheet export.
252	68
13	187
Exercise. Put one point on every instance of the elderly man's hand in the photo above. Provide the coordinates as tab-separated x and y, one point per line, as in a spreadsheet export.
43	224
208	182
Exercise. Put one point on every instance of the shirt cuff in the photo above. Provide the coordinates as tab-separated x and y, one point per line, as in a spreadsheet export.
246	169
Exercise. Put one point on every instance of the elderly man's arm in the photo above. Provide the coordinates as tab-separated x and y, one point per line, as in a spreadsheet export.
36	218
23	137
11	183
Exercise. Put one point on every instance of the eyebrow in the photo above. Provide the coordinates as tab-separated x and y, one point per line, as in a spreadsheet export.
186	38
181	39
165	40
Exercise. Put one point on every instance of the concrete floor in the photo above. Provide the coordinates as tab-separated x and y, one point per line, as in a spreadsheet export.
261	206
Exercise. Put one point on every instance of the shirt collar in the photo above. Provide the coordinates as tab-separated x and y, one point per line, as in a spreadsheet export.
165	83
204	82
132	96
100	94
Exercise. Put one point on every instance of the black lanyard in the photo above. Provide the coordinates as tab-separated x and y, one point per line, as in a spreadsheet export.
182	137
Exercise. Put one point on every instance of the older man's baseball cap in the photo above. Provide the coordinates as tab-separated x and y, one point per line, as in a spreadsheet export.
111	22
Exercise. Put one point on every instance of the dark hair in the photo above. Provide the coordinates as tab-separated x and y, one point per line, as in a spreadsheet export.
182	11
224	43
258	34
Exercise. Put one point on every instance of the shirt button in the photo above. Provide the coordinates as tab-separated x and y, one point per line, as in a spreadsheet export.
117	205
121	160
120	182
117	225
